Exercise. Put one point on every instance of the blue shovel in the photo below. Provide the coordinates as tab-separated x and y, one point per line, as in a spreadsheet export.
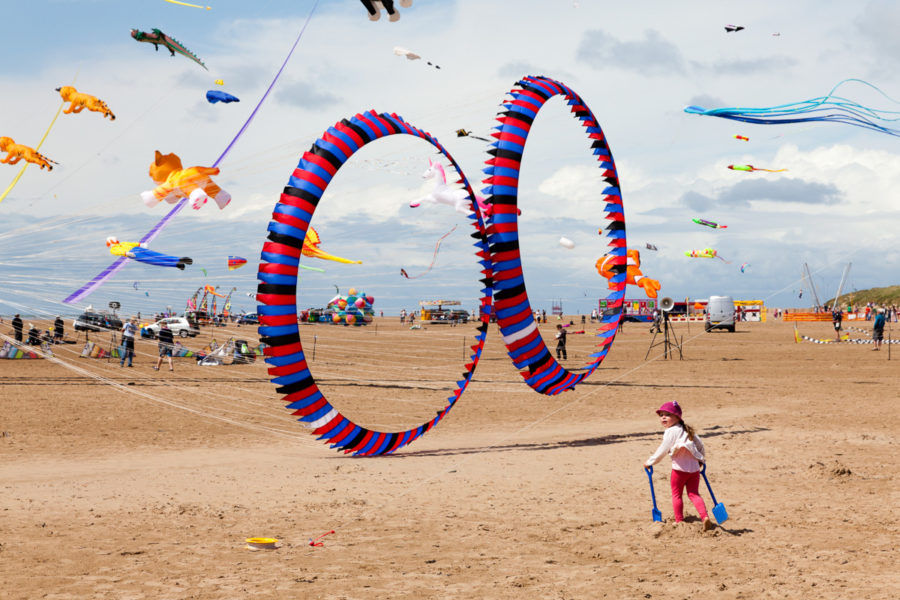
657	516
719	511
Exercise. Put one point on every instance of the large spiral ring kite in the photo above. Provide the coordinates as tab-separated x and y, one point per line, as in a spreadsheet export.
498	254
523	342
277	292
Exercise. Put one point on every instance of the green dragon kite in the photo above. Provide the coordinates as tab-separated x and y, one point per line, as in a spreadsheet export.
157	37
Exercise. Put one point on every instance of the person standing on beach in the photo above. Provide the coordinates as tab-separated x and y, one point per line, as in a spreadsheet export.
836	317
687	452
878	329
17	327
166	346
128	332
561	342
59	330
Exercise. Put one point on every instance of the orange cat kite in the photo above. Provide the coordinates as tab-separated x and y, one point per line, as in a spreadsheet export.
176	183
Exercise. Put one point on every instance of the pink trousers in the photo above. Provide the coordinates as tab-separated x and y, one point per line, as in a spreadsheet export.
691	481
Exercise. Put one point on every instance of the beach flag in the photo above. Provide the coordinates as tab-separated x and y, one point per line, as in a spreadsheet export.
11	352
180	351
236	262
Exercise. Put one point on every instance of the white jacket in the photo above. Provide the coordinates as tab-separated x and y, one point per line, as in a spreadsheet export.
686	454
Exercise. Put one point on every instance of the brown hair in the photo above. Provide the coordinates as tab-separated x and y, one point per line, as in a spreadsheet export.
688	430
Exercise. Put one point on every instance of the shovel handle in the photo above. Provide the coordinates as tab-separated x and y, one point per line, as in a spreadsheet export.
649	471
709	487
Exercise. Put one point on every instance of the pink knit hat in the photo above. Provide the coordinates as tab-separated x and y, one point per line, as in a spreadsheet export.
671	408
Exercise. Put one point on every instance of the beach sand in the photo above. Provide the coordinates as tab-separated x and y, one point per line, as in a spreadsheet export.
130	483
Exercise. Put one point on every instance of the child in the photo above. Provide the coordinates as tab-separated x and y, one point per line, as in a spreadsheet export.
686	449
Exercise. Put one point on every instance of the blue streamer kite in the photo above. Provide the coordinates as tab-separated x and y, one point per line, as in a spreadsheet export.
824	108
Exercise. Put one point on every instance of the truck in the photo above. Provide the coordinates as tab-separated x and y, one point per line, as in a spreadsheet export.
720	313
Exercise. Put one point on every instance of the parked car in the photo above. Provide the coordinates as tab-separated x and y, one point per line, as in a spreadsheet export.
248	319
179	326
449	316
91	321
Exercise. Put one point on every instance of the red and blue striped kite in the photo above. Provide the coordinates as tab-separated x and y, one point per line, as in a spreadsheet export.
236	262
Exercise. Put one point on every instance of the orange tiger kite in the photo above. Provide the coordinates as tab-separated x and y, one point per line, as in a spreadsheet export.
79	101
16	152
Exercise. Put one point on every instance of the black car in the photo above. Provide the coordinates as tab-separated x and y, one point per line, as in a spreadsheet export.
248	319
91	321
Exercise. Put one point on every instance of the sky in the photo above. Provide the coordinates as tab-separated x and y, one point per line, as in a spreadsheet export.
637	65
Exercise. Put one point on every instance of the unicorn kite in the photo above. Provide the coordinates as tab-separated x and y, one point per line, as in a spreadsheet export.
444	194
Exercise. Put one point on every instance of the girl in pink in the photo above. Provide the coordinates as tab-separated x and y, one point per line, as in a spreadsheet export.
686	450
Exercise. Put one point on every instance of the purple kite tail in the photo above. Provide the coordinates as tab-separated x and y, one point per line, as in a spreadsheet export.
271	85
97	281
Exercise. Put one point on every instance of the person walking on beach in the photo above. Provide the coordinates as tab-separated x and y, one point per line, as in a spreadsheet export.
687	452
836	317
166	346
17	327
561	342
128	332
878	329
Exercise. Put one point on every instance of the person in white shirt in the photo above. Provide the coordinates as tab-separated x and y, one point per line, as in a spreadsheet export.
128	331
687	452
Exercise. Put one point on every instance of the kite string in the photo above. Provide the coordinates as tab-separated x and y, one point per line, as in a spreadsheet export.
269	89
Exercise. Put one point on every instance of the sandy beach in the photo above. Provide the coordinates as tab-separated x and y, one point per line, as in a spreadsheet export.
131	483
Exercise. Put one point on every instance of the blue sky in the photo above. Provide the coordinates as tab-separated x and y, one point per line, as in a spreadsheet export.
636	64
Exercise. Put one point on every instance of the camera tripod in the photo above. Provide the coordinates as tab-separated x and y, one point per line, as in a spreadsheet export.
668	344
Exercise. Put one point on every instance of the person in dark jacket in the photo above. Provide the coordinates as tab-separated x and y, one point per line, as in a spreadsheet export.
166	346
34	336
58	330
17	327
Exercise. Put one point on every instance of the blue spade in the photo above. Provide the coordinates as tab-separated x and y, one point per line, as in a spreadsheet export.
719	511
657	516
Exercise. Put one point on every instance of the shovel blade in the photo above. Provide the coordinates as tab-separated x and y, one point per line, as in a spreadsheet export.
720	513
657	516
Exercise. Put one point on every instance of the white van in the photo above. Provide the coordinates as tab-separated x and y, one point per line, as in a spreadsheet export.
720	313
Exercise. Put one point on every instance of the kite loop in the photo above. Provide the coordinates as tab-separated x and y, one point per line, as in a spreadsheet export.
520	333
497	245
277	291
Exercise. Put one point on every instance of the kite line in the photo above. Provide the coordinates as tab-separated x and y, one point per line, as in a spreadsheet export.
38	147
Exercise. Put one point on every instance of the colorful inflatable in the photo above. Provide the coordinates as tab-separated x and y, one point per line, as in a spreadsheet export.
353	309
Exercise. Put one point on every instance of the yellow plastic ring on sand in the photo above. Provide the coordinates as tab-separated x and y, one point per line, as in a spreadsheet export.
261	543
